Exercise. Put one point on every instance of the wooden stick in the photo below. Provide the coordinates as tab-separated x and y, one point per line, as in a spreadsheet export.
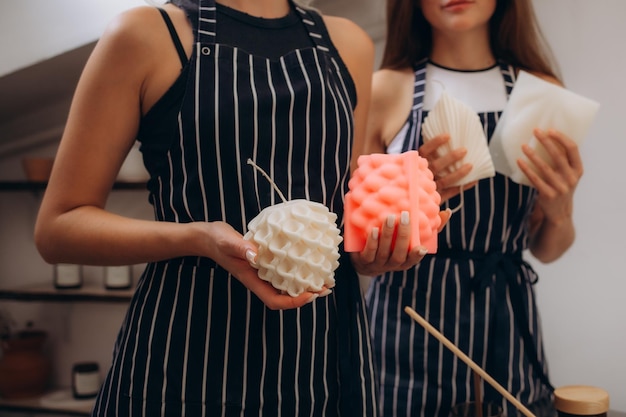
447	343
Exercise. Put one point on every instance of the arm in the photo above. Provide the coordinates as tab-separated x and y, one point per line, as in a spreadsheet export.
551	225
127	72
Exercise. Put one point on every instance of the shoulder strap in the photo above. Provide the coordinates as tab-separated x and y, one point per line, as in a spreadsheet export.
177	43
314	24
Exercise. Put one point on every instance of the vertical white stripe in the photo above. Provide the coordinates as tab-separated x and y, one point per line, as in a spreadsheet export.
368	360
296	368
307	139
383	347
363	363
411	339
217	136
270	83
171	187
184	169
279	368
512	341
197	125
264	366
207	341
457	316
505	215
472	238
472	330
425	359
290	132
225	361
255	132
246	344
486	324
168	341
238	138
312	363
443	297
322	110
397	340
326	344
187	338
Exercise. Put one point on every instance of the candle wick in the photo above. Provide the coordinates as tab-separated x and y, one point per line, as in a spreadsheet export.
274	186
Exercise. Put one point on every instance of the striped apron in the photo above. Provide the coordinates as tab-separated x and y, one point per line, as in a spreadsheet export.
195	341
476	290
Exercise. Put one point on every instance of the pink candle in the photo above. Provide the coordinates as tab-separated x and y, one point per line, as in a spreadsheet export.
385	184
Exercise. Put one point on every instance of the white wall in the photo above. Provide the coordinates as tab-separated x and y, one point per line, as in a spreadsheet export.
35	30
581	296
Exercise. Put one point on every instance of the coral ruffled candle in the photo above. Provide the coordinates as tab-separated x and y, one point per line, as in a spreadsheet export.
388	184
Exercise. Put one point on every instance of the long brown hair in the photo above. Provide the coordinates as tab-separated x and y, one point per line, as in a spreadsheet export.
515	36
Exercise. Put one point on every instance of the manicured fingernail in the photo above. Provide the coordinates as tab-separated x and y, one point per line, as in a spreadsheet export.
375	232
312	298
251	256
404	217
326	292
391	220
423	251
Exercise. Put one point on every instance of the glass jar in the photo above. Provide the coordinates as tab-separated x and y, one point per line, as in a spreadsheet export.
85	380
67	276
118	277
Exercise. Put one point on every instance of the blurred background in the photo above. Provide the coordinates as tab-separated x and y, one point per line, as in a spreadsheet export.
44	44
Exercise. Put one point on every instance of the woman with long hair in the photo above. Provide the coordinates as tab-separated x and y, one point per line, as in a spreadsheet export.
477	289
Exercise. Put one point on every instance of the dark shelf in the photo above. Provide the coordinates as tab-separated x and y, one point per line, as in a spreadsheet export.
47	292
40	406
40	186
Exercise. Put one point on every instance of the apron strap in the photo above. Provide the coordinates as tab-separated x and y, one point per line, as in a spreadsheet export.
206	21
315	26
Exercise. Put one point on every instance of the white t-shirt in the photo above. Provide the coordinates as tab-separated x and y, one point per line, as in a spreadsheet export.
483	90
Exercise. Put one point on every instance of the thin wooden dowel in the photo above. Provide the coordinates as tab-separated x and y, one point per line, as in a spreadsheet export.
468	361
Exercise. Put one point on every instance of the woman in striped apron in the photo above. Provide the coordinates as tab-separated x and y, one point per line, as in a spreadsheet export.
477	289
205	87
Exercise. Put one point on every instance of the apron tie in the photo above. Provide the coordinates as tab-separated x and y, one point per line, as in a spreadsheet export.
488	265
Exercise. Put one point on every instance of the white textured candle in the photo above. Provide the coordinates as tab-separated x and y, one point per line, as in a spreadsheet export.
298	244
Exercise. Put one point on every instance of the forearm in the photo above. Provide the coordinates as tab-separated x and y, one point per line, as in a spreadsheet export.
92	236
552	239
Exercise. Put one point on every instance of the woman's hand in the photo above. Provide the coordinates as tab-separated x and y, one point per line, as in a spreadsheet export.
442	167
557	182
233	253
387	249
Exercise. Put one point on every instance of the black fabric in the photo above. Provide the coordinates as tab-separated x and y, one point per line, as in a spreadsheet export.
177	43
268	38
509	263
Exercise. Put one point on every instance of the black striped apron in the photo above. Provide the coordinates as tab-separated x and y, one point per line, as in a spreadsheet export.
476	290
195	342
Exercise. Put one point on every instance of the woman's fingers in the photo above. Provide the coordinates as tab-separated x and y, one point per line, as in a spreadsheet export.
565	167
